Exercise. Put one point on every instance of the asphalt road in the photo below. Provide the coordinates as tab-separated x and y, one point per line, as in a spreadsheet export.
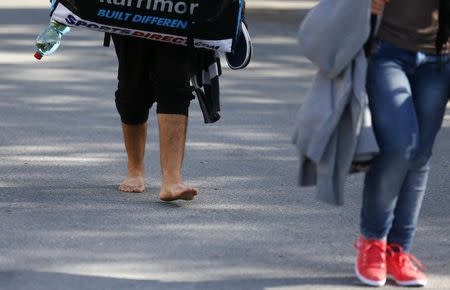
64	225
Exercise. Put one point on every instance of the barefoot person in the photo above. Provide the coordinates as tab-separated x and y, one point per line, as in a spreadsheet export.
151	72
408	87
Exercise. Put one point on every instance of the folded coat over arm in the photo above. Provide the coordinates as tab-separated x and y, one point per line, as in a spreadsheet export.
334	123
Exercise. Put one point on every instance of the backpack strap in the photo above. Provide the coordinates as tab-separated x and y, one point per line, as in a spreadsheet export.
107	39
190	38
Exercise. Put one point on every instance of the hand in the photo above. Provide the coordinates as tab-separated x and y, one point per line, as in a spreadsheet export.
378	6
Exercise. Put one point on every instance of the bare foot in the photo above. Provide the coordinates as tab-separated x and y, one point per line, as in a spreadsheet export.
171	192
133	184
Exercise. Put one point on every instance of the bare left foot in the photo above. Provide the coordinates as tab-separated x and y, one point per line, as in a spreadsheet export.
133	184
177	191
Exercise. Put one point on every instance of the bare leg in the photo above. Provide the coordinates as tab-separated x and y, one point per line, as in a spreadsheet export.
172	132
135	137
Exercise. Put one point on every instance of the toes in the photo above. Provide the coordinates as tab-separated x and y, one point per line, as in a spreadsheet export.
188	194
132	184
125	189
131	188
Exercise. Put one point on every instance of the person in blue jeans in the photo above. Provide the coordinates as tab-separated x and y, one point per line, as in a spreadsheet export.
408	86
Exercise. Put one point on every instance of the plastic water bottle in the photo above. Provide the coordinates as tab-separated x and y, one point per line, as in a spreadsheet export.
50	39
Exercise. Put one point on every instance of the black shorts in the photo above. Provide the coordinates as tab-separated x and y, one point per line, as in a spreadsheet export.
151	72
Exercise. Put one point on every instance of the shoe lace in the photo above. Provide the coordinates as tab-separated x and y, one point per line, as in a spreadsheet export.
371	252
406	259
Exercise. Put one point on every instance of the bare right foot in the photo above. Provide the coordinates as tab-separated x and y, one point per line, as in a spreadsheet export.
177	191
133	184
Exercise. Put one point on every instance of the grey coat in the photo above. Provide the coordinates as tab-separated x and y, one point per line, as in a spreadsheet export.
334	123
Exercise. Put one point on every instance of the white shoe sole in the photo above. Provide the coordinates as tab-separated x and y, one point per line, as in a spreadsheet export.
413	283
367	281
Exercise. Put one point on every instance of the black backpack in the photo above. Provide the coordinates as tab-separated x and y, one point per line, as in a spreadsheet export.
209	24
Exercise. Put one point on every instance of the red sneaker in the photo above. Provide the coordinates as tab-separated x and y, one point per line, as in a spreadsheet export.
370	265
404	268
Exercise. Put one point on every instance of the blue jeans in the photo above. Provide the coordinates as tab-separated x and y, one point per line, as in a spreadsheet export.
408	93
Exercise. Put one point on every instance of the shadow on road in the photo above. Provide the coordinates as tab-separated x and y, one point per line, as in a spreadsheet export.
61	157
92	282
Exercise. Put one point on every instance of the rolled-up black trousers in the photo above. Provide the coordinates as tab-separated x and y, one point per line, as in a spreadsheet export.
151	72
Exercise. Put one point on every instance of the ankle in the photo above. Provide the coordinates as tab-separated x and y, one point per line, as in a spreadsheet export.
136	171
173	178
